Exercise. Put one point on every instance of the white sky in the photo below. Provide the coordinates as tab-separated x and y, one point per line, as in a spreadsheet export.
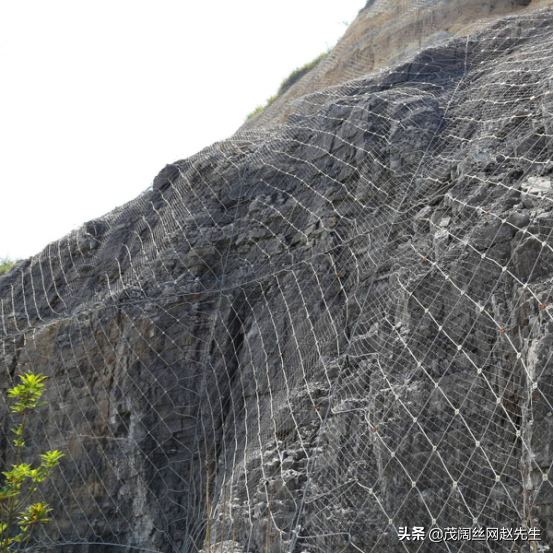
97	97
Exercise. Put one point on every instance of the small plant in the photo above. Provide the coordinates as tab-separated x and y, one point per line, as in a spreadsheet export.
20	483
294	76
6	264
298	73
254	112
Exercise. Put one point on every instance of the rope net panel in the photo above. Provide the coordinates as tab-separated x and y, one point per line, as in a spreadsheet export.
315	334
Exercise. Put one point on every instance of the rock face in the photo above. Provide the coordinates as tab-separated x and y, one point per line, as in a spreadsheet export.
314	334
386	32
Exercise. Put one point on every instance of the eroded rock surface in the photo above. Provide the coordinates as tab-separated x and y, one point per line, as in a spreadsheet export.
344	321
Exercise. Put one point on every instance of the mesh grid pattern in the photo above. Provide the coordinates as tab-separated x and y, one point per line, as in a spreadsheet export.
315	333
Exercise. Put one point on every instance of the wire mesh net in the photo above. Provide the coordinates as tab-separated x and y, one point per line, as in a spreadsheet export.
320	334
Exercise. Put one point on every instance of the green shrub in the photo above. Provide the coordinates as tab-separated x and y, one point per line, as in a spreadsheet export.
20	483
254	112
6	264
298	73
295	76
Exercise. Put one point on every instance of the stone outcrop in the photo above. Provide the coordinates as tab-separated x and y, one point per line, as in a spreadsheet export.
386	32
315	332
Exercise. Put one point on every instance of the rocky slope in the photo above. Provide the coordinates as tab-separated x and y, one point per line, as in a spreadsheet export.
386	32
315	332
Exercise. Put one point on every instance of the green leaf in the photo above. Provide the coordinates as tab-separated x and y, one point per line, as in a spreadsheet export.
18	430
36	513
52	458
